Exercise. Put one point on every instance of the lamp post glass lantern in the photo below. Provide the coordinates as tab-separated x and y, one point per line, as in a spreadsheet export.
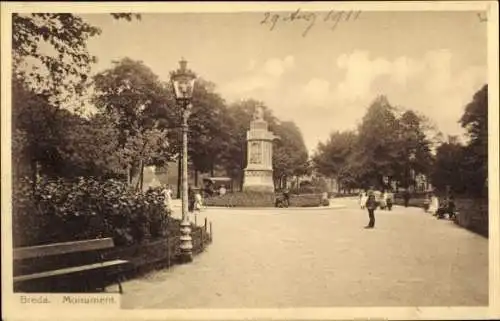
183	81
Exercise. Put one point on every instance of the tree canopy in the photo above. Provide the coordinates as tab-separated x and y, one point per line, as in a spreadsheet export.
385	146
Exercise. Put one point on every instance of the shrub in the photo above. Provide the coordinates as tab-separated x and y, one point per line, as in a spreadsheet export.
306	200
59	211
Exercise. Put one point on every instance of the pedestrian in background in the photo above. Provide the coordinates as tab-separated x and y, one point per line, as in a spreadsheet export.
222	190
389	200
198	201
363	198
434	204
286	197
167	199
383	200
427	203
371	206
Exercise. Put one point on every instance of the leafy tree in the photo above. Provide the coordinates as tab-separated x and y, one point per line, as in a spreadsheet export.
377	154
49	52
290	156
208	128
448	167
35	130
475	121
332	158
62	67
133	98
464	168
50	65
56	142
413	147
90	148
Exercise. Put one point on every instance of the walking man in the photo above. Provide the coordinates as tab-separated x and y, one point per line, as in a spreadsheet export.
406	196
371	205
286	197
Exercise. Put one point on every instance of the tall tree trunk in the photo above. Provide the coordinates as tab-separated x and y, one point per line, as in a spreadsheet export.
195	178
138	184
34	174
142	175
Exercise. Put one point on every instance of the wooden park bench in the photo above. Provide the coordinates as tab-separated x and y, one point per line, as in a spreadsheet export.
79	266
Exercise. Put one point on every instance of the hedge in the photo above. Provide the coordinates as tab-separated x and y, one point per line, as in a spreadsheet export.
242	199
306	200
61	211
261	199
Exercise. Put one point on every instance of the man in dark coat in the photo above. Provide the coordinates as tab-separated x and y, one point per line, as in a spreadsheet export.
371	205
286	197
406	197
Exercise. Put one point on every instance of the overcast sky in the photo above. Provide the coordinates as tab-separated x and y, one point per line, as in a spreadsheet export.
432	62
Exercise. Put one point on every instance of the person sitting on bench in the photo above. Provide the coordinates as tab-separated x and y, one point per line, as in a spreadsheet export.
448	207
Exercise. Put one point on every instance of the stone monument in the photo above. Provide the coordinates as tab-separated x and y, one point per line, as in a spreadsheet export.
258	174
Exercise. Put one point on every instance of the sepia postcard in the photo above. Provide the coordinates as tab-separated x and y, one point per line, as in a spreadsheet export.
250	160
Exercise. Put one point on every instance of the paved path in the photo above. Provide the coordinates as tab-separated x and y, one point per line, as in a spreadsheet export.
285	258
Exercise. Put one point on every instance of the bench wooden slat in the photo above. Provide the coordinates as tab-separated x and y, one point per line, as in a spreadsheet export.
62	248
70	270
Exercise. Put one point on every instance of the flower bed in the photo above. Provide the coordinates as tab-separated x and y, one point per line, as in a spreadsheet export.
242	199
261	199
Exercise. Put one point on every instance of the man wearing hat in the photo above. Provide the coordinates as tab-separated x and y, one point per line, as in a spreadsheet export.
371	205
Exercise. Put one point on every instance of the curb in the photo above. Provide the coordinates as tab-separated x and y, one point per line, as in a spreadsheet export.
277	208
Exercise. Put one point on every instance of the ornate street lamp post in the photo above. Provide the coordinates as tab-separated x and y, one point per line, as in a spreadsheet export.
183	84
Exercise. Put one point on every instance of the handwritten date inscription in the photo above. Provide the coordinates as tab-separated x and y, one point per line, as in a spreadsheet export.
332	18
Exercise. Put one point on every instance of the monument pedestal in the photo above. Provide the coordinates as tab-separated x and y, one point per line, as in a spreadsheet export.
258	180
258	175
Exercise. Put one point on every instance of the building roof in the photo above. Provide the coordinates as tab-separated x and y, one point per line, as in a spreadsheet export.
218	179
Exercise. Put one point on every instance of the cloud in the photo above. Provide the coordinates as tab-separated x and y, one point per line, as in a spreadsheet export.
435	83
316	90
429	84
251	65
258	77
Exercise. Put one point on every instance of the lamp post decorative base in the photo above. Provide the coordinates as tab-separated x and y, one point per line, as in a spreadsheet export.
186	245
